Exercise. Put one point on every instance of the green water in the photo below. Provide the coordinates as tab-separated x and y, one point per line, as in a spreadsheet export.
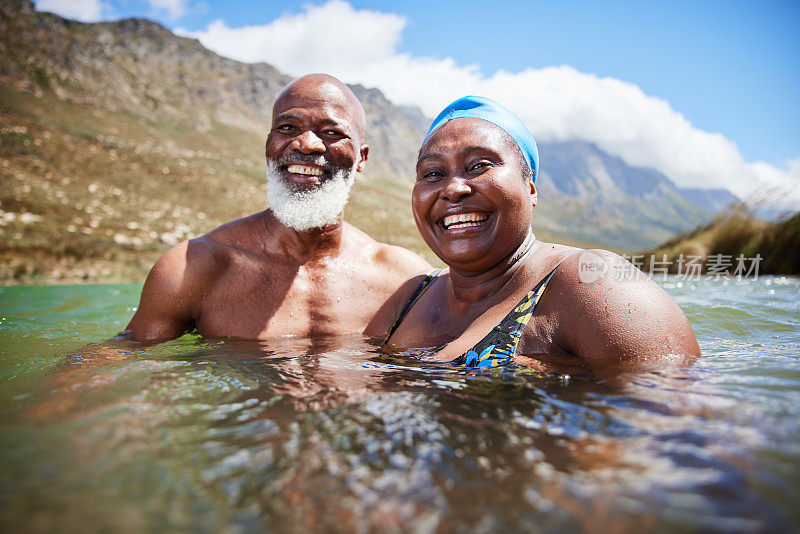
299	435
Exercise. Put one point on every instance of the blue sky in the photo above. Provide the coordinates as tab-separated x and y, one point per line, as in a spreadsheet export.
730	68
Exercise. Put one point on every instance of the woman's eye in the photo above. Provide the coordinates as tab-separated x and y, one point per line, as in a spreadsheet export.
480	165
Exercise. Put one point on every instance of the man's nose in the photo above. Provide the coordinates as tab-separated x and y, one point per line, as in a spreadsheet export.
307	143
456	188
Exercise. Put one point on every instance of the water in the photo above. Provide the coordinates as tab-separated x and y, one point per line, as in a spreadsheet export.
301	435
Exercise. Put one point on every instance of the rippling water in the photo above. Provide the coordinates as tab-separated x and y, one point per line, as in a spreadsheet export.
330	435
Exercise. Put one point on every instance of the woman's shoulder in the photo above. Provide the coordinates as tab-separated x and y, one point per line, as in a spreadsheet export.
605	307
549	257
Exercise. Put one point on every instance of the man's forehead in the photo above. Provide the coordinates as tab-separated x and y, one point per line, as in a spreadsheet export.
320	96
305	113
316	110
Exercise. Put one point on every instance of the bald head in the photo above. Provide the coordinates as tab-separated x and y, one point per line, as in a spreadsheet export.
327	91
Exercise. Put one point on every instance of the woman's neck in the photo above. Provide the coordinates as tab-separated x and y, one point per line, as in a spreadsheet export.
470	288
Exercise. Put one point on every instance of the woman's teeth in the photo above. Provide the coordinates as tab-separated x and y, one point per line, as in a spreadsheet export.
302	169
464	220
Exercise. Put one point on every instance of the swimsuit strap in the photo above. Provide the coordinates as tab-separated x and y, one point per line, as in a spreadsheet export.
423	286
498	347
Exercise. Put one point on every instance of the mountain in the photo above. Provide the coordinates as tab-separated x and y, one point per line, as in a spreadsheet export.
121	138
590	195
139	66
714	199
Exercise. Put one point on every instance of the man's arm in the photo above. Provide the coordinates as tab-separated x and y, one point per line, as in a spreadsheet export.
165	307
620	320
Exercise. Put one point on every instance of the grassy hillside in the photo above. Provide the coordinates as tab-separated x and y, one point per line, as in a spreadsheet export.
734	233
93	194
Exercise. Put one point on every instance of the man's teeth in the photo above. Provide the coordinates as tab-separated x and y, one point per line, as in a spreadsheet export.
464	220
302	169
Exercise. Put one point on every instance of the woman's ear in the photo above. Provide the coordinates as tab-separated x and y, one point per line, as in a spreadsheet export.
534	196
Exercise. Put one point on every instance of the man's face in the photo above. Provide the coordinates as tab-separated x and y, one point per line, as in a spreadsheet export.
314	135
313	152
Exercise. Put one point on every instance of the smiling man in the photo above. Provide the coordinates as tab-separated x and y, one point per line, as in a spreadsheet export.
296	268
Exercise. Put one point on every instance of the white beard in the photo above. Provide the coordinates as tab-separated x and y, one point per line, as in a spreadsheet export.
306	209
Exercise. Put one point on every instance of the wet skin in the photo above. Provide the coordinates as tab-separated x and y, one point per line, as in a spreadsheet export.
471	168
255	278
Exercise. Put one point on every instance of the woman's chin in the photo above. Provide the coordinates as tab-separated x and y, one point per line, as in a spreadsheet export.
474	253
462	256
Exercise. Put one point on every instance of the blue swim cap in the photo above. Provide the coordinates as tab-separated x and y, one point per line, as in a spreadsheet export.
484	108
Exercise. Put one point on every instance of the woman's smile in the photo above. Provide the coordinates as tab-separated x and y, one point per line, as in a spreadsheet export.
464	220
463	223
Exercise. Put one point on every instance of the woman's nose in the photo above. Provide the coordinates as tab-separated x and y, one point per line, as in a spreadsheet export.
307	142
456	189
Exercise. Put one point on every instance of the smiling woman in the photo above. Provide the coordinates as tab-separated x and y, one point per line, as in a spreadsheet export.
506	296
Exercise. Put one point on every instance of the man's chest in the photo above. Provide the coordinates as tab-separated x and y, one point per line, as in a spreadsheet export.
263	303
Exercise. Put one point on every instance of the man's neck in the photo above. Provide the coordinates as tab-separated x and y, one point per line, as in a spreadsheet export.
470	288
303	246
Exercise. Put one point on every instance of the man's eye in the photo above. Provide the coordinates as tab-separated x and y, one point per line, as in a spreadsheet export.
285	128
333	133
431	176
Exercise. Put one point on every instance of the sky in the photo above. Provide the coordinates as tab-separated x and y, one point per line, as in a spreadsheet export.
705	91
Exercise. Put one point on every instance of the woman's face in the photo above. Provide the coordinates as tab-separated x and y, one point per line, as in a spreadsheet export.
471	203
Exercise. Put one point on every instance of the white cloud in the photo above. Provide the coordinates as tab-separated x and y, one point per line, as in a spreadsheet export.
556	102
85	10
331	34
174	8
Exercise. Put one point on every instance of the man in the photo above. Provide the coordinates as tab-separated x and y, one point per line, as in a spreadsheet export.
296	268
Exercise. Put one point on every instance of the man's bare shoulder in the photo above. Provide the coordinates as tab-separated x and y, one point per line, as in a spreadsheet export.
401	262
170	295
183	265
239	232
195	259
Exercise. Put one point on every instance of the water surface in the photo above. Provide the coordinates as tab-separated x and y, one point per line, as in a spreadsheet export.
328	434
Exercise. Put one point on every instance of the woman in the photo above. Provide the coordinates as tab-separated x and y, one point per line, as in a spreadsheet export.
506	296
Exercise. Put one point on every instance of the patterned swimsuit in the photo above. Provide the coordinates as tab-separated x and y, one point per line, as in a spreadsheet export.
498	347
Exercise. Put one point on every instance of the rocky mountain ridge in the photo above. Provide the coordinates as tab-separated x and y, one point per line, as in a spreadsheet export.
592	195
137	65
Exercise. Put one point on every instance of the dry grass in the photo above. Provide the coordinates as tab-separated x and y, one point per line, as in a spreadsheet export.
737	233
